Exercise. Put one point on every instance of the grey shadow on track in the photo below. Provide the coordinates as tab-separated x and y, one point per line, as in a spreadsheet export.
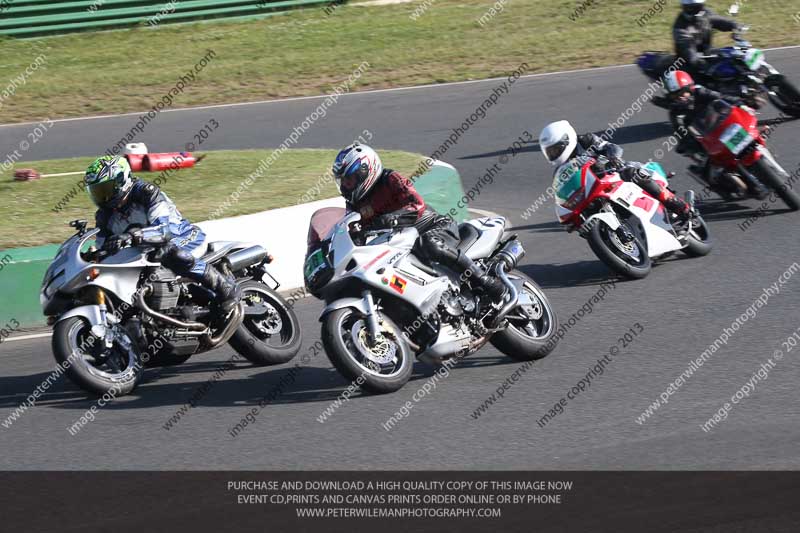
310	385
544	227
721	210
565	275
14	390
624	135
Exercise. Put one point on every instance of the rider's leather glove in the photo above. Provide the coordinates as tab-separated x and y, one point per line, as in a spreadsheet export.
115	243
136	237
386	221
615	163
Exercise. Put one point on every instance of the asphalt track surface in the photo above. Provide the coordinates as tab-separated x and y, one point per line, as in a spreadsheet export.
683	306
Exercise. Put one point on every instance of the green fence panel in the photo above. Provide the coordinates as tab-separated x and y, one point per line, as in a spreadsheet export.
21	274
27	19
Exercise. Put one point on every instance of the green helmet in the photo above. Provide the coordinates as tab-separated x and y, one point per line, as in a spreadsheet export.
108	181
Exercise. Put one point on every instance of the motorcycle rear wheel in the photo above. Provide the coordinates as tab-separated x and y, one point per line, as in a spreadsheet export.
272	338
784	95
698	242
530	332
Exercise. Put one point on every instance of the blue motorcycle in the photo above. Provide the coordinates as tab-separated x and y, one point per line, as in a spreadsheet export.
739	70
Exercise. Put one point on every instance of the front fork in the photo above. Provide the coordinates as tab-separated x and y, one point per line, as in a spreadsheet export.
373	326
102	330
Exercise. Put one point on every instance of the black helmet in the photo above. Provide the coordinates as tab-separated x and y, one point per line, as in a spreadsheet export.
693	9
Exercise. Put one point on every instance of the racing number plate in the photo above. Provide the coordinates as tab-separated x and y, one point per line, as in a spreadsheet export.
754	58
736	139
314	263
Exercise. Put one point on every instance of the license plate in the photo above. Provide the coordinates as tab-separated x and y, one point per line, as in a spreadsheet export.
736	138
314	263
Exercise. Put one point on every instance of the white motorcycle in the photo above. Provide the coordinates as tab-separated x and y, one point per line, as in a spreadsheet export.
115	314
384	305
626	227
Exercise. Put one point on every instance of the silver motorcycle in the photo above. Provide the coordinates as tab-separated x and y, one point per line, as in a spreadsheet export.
115	314
384	305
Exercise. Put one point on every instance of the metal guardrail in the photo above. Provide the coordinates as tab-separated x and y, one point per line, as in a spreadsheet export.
28	18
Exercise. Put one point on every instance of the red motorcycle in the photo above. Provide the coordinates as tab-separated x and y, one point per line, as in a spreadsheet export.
737	155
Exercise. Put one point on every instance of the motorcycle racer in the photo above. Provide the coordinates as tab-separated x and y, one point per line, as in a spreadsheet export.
133	211
693	31
689	103
385	199
563	147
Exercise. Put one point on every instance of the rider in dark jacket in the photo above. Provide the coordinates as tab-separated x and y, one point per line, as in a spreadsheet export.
689	104
386	199
133	211
692	33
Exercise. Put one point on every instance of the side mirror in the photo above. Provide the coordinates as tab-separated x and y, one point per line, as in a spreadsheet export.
733	10
79	225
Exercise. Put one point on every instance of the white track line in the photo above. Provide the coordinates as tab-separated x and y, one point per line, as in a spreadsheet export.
357	93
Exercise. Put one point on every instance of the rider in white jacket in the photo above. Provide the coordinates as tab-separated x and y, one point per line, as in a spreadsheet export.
563	147
133	211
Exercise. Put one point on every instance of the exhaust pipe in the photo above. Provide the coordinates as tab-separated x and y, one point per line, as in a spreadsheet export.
237	317
513	294
164	318
244	258
235	321
511	254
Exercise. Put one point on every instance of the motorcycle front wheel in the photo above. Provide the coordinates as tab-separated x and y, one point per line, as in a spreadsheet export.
93	366
531	328
629	259
270	332
381	365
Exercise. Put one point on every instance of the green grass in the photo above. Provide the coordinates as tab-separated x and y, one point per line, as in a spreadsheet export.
29	218
308	52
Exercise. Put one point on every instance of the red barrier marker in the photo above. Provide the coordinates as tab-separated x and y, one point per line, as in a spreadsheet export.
173	160
135	161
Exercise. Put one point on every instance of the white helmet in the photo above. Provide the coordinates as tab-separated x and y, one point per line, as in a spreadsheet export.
557	141
356	169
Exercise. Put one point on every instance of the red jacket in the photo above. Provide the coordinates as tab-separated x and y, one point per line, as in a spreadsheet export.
393	194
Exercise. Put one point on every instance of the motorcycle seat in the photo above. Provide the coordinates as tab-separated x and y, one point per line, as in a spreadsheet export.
469	235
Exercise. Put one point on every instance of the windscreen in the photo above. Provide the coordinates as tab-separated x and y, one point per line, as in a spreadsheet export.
322	222
716	114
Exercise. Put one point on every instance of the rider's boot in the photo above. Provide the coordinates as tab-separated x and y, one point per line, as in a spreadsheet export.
495	288
678	207
754	187
682	210
226	293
